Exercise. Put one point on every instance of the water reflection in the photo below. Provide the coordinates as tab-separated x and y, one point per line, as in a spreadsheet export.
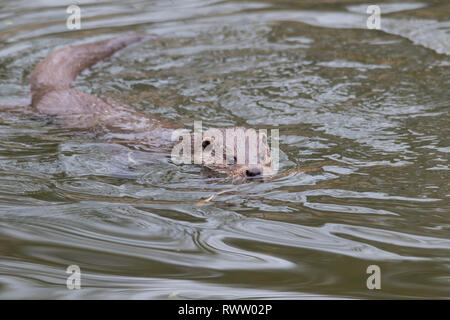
367	107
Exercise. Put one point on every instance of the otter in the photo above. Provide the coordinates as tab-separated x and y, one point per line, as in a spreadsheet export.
52	94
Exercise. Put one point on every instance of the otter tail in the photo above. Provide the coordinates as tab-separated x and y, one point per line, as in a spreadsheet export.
58	70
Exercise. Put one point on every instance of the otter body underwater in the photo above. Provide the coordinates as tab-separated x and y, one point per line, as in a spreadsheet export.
52	94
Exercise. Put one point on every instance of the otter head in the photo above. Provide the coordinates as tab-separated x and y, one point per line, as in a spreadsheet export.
237	152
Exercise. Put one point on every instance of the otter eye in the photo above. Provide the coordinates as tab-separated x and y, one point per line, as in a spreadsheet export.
205	144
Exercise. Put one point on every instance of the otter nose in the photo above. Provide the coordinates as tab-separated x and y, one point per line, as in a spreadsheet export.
253	172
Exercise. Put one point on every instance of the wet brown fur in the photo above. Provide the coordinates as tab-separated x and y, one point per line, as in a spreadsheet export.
52	94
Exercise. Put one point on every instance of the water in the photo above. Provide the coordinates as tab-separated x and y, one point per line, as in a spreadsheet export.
370	107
